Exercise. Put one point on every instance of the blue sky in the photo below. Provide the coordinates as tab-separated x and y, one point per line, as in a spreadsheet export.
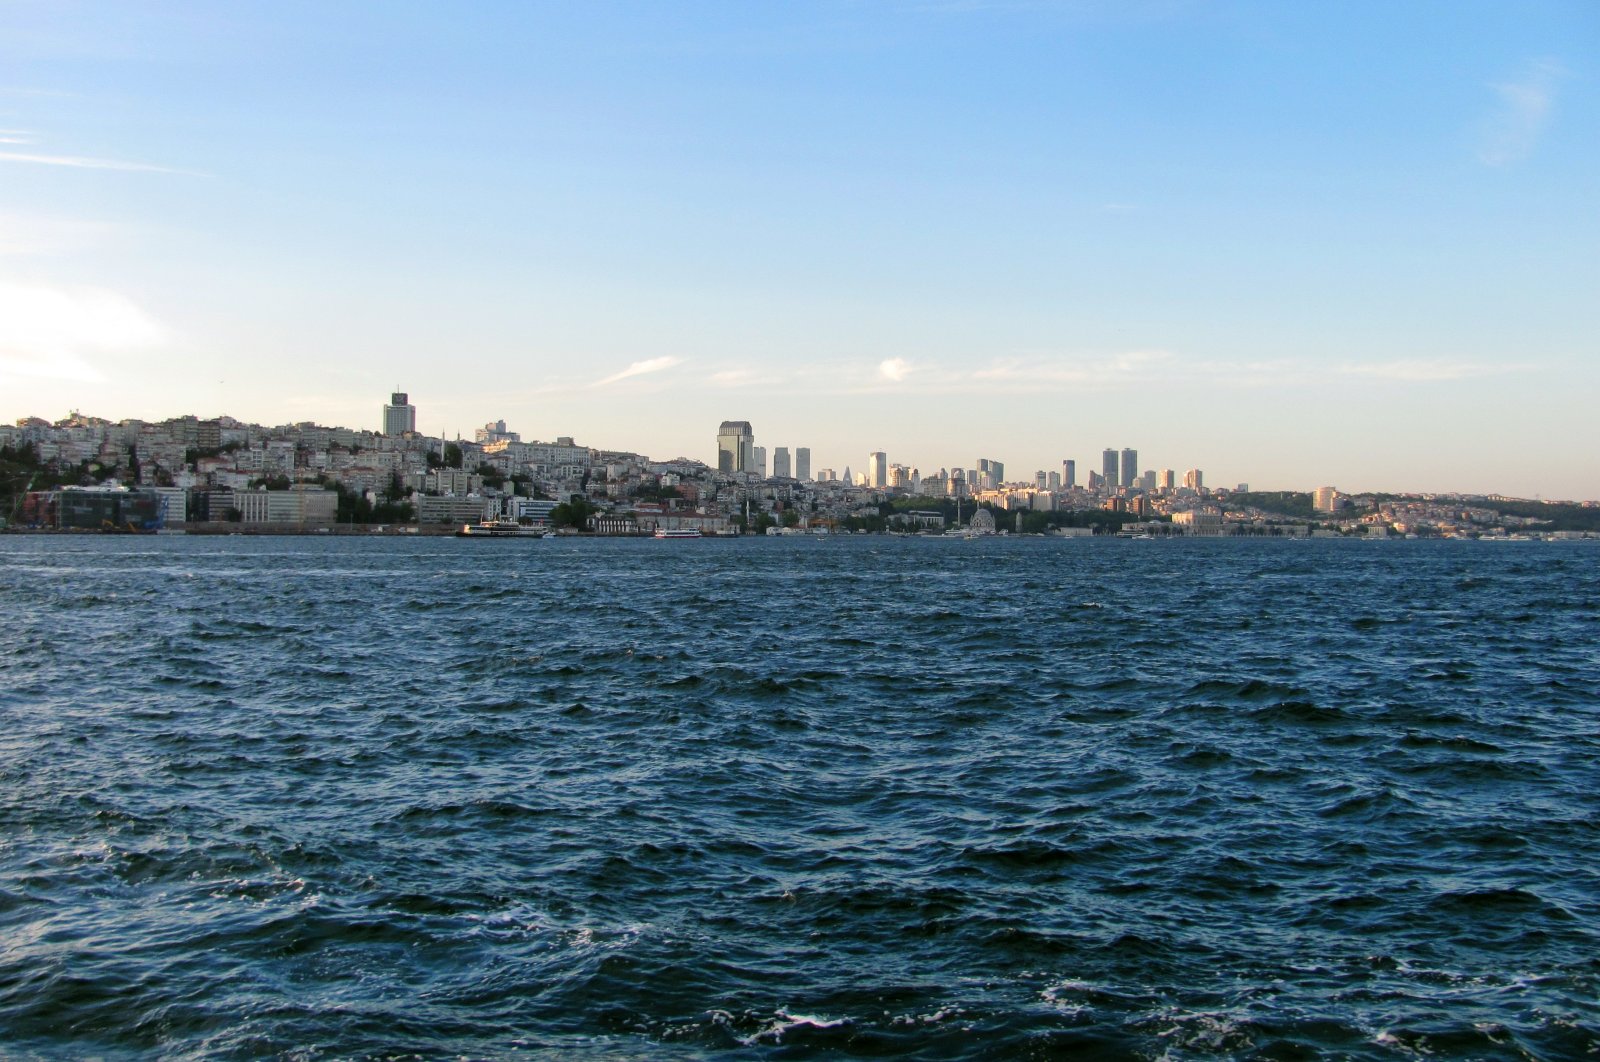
1350	244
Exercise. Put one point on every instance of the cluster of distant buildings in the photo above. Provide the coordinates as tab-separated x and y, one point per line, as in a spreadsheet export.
222	474
985	482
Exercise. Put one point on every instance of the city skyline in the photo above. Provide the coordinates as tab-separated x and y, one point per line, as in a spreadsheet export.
1291	246
737	452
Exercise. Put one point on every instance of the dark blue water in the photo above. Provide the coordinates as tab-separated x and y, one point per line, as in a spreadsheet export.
320	798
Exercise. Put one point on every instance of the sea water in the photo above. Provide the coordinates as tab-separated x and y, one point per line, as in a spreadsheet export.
325	797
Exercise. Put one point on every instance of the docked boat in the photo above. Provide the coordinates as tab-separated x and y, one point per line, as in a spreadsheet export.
501	528
678	532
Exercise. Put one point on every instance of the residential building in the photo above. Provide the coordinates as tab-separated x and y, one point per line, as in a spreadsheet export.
495	431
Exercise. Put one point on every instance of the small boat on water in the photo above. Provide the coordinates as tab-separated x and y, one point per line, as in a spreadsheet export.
678	532
501	528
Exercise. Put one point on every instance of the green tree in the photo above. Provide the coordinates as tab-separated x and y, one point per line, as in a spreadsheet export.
1035	523
574	512
492	476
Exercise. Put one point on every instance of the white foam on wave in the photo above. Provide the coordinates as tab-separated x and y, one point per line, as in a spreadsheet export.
784	1022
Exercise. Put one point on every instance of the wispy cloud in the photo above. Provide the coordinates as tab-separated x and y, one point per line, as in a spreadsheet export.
1423	370
56	333
739	378
640	368
83	163
23	235
894	369
1520	115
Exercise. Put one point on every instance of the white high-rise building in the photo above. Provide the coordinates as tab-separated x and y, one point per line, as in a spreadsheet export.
1194	479
399	416
780	463
877	469
802	464
758	463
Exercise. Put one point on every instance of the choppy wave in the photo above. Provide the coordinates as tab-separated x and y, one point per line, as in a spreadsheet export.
910	798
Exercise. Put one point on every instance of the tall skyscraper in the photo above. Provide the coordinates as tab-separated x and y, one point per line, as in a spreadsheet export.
758	464
1040	480
736	442
1130	467
1167	479
877	469
780	463
1108	467
1069	474
802	464
399	416
1194	479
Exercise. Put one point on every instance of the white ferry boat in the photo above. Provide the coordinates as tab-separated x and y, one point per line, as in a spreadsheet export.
678	532
502	528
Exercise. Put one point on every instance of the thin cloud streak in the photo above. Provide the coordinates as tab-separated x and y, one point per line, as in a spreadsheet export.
82	163
640	368
1423	371
1067	374
1513	128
